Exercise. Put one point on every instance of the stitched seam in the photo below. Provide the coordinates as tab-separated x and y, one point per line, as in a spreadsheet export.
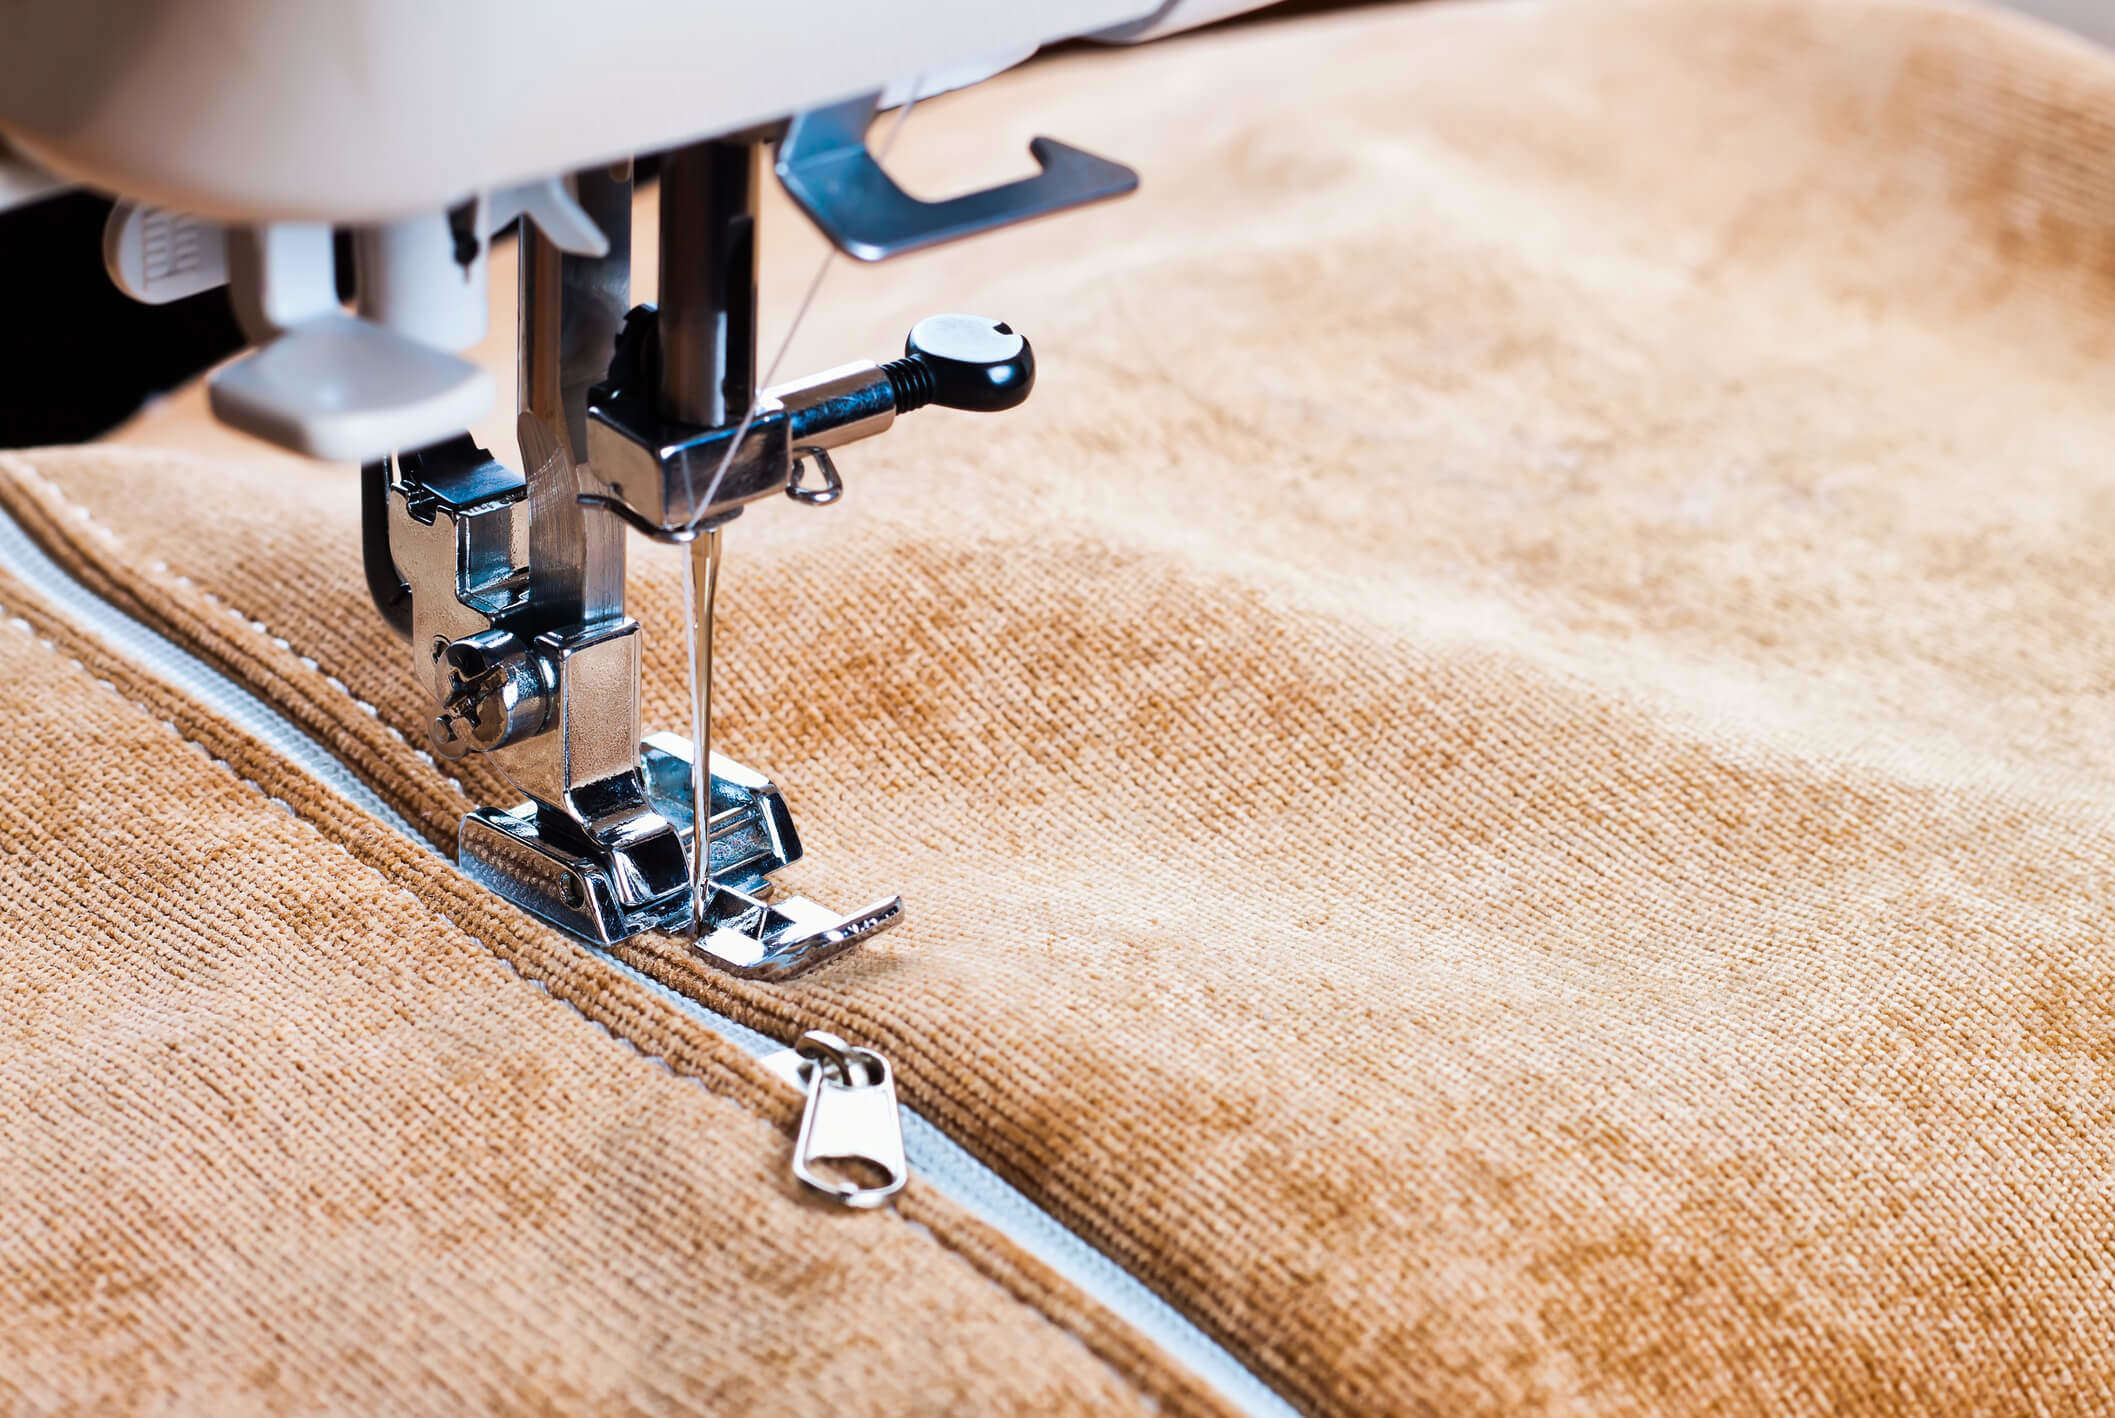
52	647
943	1247
175	580
161	568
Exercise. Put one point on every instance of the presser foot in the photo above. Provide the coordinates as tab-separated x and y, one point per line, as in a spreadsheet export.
597	894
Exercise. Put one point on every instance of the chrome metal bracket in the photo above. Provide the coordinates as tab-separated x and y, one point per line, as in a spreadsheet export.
511	587
532	858
824	165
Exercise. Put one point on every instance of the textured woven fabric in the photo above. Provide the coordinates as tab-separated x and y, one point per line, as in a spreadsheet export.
1504	781
286	1127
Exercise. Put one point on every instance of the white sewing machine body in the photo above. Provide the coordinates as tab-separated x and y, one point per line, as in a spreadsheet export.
363	111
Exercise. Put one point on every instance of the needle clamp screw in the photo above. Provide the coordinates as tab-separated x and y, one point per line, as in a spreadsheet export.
962	362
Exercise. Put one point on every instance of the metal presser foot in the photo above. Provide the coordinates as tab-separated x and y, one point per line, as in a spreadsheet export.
585	890
510	585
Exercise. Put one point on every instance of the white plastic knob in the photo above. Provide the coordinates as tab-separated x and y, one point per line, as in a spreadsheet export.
155	255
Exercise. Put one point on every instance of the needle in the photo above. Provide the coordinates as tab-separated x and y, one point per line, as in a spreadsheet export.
702	573
704	576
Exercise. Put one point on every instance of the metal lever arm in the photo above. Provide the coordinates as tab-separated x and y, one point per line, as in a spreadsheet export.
657	472
825	167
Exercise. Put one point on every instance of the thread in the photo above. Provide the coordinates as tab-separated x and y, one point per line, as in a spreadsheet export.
699	633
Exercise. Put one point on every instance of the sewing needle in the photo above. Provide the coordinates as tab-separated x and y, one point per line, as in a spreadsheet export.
704	581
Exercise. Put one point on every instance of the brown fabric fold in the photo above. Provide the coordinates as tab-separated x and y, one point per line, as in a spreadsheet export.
1504	781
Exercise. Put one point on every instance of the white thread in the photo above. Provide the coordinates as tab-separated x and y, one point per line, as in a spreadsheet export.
703	869
822	268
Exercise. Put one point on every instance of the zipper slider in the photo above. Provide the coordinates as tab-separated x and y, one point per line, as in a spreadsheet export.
850	1121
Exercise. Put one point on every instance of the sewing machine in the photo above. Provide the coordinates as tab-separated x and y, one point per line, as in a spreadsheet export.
240	135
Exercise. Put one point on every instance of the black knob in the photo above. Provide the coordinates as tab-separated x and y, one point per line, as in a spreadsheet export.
962	362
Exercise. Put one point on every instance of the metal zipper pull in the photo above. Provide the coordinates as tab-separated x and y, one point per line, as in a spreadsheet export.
850	1121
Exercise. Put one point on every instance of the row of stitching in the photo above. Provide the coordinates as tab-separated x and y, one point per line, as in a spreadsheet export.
82	515
242	617
178	584
1012	1283
51	646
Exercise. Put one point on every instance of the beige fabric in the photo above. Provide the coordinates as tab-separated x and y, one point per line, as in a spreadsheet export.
1504	782
285	1128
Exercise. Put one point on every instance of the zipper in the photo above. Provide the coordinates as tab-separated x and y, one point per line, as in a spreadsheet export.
852	1126
850	1091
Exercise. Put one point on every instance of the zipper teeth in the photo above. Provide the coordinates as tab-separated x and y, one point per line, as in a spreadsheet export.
934	1156
947	1166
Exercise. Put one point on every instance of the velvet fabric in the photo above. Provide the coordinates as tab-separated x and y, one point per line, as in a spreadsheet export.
1504	781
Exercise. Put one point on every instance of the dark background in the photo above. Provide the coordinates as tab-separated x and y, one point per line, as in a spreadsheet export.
77	356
